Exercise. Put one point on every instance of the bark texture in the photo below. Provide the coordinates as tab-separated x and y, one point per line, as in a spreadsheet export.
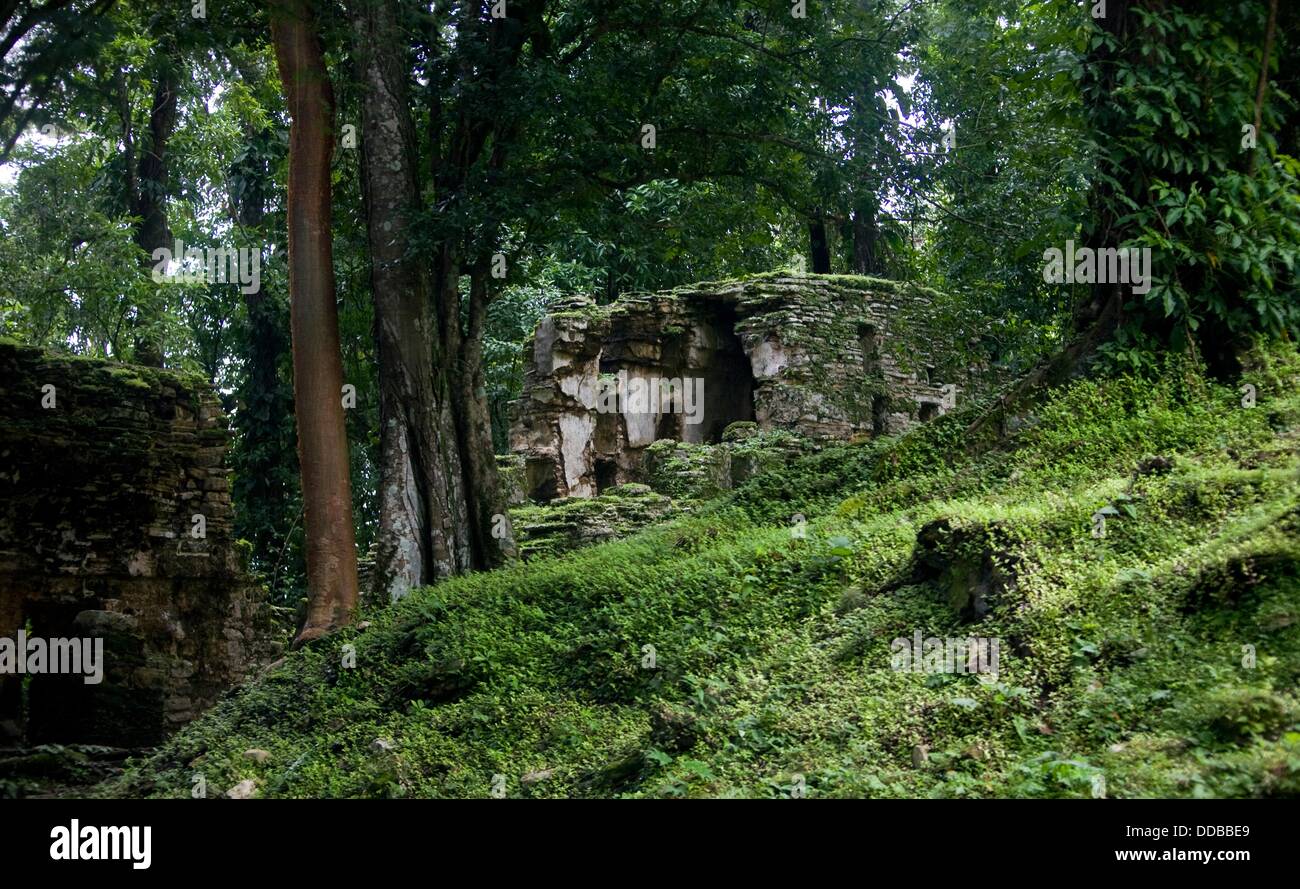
424	534
820	247
317	366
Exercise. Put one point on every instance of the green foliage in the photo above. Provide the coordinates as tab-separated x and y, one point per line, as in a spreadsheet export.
70	273
1121	650
719	654
1001	76
1171	93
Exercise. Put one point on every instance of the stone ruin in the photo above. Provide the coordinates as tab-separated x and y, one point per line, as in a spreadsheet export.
103	469
827	357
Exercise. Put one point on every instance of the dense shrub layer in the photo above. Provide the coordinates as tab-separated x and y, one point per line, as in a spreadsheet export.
730	653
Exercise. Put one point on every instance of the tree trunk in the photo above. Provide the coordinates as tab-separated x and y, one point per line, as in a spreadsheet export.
1102	230
423	518
148	202
1261	83
317	365
482	480
463	375
1097	318
866	243
821	251
440	496
1288	76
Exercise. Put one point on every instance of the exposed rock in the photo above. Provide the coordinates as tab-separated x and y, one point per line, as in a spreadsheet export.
536	777
104	624
245	789
572	523
58	768
1154	465
969	563
740	430
687	471
827	357
510	473
672	730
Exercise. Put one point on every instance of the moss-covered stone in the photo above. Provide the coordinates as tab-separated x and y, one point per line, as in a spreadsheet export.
575	522
827	357
740	430
103	468
722	651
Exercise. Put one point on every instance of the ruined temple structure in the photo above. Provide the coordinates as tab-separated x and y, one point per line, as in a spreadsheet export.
115	525
828	357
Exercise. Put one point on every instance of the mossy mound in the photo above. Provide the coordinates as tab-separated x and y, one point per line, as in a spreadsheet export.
563	525
733	652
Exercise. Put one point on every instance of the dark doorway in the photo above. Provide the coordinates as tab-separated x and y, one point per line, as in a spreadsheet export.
728	381
539	479
606	475
879	415
869	343
65	708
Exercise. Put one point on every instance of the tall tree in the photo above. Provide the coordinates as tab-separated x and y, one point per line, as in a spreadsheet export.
317	365
423	520
146	164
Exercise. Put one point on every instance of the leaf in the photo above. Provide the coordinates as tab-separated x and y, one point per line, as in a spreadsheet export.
658	757
840	546
699	769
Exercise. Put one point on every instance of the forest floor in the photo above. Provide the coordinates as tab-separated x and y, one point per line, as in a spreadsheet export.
730	653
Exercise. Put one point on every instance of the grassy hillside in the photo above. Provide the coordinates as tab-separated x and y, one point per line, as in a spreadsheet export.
1123	656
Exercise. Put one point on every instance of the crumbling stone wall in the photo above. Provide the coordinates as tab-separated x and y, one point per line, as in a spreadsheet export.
103	468
828	357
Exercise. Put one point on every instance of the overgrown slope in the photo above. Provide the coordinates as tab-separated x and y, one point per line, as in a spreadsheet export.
1125	660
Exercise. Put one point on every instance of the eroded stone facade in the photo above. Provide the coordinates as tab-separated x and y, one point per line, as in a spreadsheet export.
103	468
828	357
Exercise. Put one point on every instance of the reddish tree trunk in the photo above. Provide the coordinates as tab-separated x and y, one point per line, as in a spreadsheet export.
317	366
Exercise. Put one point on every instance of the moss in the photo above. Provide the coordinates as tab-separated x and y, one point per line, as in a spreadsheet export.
570	523
131	377
768	642
741	429
513	477
686	471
